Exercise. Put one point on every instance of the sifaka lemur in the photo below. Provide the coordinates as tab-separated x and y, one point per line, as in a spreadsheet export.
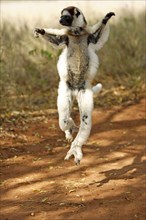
77	67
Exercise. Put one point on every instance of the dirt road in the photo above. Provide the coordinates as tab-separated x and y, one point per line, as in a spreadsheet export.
109	184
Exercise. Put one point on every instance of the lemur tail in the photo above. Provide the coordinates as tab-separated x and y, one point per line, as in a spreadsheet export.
96	89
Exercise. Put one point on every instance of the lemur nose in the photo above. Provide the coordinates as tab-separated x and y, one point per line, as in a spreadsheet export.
60	21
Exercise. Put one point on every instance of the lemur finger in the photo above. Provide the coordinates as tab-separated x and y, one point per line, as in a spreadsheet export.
40	31
110	14
35	34
107	17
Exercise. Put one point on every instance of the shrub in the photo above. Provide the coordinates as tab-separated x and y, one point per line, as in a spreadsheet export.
28	74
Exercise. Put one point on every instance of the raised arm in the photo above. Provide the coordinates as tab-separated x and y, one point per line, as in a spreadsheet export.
54	36
99	33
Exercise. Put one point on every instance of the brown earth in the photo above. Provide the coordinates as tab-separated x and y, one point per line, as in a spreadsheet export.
109	184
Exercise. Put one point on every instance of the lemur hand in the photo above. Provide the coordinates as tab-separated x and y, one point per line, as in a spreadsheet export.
107	17
38	31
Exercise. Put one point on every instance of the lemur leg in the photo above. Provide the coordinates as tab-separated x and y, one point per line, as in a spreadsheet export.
85	102
64	103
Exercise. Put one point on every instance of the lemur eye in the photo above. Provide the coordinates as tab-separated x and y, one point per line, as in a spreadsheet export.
66	17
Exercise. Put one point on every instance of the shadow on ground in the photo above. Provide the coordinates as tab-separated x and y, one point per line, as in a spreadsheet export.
109	184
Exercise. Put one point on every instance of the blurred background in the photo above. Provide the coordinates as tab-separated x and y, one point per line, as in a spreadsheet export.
28	73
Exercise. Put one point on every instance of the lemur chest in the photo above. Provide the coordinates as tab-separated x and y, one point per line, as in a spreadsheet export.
77	61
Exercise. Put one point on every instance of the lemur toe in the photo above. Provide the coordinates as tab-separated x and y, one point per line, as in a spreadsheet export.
77	162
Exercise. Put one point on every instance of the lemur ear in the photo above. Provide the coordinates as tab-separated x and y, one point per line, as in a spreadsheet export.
76	12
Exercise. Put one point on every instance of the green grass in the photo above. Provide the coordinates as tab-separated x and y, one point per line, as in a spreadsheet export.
28	73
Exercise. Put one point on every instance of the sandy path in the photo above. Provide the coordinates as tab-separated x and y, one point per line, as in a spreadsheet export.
109	184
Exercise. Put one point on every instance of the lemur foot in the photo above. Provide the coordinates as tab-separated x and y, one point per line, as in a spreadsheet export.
70	132
38	31
76	152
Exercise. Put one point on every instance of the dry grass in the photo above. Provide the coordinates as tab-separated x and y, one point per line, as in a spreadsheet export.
28	76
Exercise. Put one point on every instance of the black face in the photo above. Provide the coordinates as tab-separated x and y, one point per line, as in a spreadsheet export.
66	20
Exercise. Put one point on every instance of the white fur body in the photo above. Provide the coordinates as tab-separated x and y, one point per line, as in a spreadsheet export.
84	99
62	66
